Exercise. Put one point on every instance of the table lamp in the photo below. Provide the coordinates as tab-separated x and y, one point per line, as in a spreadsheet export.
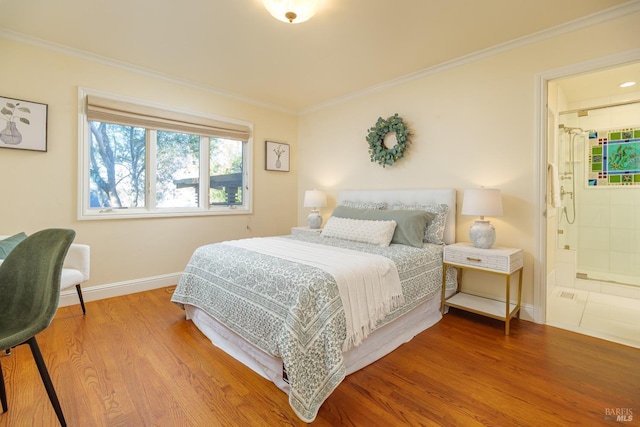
314	199
482	202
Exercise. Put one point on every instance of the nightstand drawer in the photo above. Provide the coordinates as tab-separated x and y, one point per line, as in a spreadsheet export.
495	259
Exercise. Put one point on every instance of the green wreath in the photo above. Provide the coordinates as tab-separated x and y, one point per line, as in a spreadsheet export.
377	150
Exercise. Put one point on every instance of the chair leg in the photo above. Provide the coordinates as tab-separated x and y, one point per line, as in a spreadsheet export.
81	299
46	379
3	392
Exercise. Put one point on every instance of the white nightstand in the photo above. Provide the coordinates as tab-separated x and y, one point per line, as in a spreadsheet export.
301	230
501	261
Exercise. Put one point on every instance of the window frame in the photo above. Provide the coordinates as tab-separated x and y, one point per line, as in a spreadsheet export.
150	210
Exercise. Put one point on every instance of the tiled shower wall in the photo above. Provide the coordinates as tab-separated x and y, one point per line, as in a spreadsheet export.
606	232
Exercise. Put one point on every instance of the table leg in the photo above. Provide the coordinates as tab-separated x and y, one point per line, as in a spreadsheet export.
507	317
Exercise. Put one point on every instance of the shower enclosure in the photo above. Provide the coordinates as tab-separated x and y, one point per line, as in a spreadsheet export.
598	223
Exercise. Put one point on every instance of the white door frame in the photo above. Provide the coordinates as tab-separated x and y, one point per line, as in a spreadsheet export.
540	249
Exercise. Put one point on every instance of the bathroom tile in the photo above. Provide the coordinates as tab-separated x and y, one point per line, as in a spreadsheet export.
594	197
588	285
620	197
621	263
565	272
623	240
614	301
604	316
594	215
623	217
612	328
627	116
593	259
624	314
563	310
612	315
565	256
594	238
566	277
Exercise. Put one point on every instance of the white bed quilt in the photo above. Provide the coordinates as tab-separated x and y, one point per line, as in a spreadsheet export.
292	309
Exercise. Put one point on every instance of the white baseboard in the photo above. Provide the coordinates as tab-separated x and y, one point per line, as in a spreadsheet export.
110	290
526	312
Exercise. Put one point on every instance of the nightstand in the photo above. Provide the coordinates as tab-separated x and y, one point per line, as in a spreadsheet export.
501	261
301	230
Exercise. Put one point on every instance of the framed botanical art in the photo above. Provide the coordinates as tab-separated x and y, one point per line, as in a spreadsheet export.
277	156
23	124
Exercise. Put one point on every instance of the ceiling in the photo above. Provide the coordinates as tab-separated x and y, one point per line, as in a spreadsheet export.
601	84
237	47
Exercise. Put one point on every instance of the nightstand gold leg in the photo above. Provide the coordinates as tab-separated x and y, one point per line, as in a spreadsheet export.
519	292
508	303
444	287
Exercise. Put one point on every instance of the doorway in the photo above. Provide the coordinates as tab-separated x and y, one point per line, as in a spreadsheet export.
582	223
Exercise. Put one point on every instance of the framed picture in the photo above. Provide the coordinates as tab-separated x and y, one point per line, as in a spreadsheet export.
277	156
23	124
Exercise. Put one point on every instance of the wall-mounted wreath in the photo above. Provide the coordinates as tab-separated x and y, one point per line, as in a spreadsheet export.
377	150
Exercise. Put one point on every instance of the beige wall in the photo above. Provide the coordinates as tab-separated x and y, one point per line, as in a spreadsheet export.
473	125
39	190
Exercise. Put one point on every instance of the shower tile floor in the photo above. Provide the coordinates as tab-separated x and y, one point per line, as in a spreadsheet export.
613	318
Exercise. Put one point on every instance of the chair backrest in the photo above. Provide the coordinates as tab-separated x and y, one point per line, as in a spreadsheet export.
30	279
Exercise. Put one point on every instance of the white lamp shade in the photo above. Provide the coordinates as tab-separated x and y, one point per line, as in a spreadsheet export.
315	199
482	202
292	11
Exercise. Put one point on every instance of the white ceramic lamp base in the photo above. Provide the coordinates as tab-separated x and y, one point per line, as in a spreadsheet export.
482	234
314	219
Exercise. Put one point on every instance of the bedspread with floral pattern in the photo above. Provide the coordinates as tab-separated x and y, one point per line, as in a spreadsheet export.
292	310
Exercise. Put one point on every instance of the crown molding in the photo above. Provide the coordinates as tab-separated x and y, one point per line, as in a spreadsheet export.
594	19
578	24
65	50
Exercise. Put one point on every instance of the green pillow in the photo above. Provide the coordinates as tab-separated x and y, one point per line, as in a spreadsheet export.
411	224
9	243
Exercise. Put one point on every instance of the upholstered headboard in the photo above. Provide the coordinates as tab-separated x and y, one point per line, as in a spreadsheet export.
421	196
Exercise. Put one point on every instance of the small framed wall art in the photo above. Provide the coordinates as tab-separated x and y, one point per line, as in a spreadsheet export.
23	124
277	156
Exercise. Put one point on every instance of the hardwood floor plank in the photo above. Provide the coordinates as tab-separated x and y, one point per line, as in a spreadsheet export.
136	361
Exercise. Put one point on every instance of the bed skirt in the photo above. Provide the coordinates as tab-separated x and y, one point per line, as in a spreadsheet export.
379	343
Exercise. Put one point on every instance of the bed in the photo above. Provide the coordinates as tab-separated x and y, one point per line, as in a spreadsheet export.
305	310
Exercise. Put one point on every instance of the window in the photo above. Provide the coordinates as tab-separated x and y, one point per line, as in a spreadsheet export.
138	160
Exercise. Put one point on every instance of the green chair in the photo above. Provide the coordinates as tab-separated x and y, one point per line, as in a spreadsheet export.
29	292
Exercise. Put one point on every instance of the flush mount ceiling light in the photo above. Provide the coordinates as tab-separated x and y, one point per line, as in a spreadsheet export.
292	11
627	84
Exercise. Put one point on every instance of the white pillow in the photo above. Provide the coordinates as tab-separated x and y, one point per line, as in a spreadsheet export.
359	230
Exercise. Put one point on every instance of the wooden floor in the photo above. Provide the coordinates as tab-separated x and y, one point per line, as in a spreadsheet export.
135	361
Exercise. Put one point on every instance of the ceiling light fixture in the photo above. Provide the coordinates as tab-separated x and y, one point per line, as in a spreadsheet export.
627	84
292	11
